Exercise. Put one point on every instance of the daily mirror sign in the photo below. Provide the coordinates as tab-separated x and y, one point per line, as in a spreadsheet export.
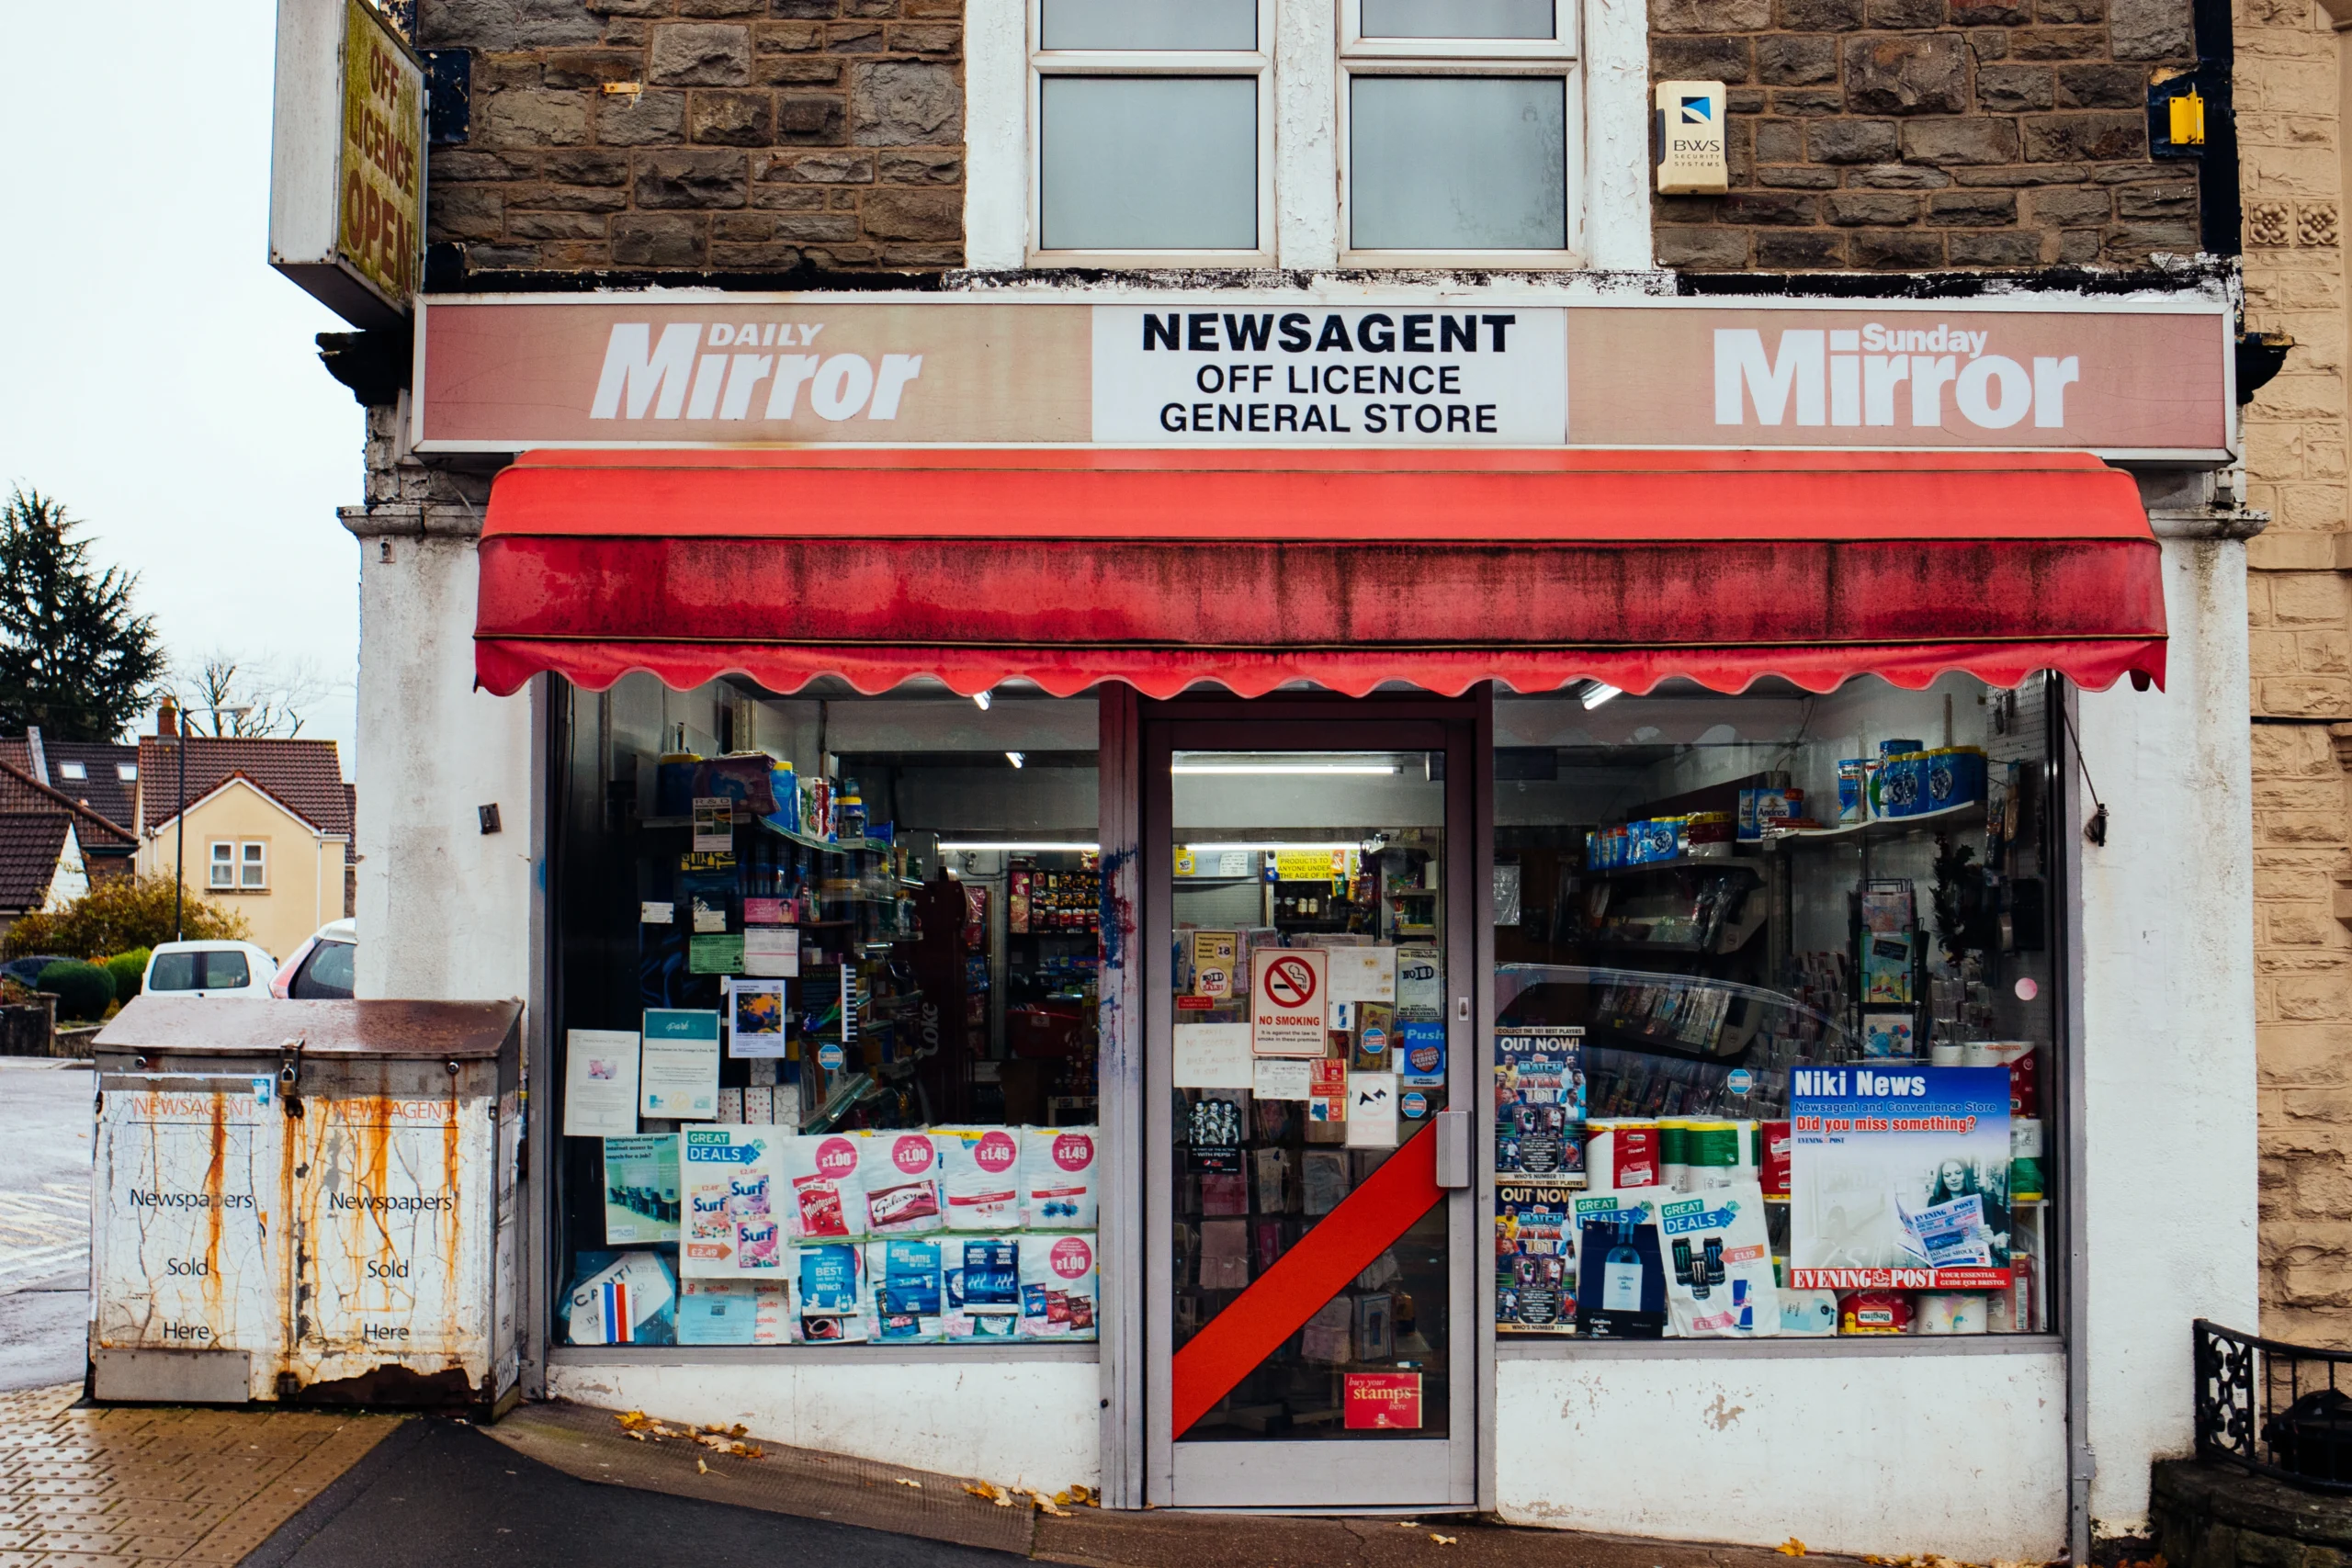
2143	378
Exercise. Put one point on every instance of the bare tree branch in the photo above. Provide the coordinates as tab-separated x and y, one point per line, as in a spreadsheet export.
231	695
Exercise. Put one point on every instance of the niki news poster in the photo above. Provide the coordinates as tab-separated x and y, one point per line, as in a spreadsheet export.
1899	1179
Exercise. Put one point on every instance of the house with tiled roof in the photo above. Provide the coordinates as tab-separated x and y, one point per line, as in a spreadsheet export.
100	775
52	846
261	825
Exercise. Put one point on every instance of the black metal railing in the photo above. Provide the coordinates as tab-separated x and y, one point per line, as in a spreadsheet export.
2277	1409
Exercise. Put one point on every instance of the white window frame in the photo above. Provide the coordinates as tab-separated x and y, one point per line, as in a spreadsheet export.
1557	57
253	854
1258	63
221	877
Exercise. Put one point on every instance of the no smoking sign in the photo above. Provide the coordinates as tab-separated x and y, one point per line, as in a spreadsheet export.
1286	993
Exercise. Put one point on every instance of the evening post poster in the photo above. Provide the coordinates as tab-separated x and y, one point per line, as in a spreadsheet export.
1899	1178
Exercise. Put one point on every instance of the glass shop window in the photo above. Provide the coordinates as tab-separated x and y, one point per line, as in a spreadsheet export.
1151	117
1776	1016
829	1003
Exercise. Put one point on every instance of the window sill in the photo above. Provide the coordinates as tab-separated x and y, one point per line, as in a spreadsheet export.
235	891
1154	261
1465	261
805	1355
1514	1349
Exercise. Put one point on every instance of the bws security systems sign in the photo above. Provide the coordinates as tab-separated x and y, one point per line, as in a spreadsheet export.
2136	379
347	204
1689	122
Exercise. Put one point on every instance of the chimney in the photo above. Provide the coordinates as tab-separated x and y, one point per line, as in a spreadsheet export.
167	719
33	750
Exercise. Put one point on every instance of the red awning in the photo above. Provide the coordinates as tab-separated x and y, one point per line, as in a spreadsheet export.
1348	569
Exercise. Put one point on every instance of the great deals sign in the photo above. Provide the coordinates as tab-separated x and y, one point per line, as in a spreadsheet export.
2130	379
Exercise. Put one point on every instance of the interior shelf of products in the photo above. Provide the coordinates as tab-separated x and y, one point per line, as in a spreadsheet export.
1879	826
839	847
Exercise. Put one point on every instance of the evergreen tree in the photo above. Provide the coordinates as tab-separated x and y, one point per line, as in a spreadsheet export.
74	658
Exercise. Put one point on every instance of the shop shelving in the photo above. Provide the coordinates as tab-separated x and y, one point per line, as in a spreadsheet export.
1878	827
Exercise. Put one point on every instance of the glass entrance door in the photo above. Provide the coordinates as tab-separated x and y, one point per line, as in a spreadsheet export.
1312	1322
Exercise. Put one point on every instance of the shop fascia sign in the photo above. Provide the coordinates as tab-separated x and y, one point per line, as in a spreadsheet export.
347	179
2148	379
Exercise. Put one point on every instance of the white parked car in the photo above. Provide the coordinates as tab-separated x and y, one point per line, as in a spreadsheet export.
321	967
210	969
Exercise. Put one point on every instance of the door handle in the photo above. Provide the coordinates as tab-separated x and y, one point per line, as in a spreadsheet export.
1453	1148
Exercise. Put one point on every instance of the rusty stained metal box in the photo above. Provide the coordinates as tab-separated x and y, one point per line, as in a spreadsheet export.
317	1195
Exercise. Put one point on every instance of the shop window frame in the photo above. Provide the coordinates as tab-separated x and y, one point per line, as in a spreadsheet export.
2066	1267
1042	64
575	835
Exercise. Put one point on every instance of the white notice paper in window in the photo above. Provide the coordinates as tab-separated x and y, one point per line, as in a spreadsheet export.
1279	1079
600	1083
772	951
1371	1111
1363	975
680	1065
1212	1055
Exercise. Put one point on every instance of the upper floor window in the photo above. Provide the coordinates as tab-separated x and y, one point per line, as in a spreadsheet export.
242	866
1455	121
1152	127
1453	127
75	770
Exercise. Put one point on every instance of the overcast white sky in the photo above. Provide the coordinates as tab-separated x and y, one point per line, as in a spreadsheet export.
155	374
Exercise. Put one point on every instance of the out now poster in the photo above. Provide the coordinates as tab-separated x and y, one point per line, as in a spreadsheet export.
1899	1179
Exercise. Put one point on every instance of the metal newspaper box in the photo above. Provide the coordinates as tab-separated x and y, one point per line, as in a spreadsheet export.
308	1200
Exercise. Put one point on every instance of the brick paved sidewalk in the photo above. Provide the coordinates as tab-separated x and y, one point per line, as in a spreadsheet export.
136	1485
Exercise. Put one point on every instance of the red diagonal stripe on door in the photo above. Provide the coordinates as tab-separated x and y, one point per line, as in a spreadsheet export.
1367	1222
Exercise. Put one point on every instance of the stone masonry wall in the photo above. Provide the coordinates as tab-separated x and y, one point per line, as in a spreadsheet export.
2302	653
1904	135
758	136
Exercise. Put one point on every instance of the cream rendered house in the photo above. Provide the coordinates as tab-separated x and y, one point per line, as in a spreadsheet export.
267	826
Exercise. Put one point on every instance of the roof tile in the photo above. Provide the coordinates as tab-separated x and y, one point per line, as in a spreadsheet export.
305	776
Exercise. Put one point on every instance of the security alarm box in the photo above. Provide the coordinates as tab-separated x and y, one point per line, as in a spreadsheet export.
1691	139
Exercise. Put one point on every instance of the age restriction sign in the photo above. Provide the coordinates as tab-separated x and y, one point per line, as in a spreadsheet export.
1288	989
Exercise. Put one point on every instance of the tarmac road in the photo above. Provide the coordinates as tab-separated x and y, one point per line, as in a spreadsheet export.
45	1152
439	1491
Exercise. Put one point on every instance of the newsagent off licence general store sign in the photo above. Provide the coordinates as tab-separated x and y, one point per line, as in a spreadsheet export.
2132	378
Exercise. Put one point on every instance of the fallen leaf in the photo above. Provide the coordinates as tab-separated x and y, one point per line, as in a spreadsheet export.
904	1482
1442	1540
1791	1547
701	1469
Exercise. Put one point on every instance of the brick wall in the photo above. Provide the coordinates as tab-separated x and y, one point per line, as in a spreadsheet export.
759	136
1898	135
2302	653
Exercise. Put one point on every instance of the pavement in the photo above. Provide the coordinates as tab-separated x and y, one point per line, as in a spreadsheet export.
140	1487
45	1152
554	1484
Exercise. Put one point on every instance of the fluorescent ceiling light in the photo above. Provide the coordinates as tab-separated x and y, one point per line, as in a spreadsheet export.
1015	846
1319	769
1255	844
1016	759
1598	692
